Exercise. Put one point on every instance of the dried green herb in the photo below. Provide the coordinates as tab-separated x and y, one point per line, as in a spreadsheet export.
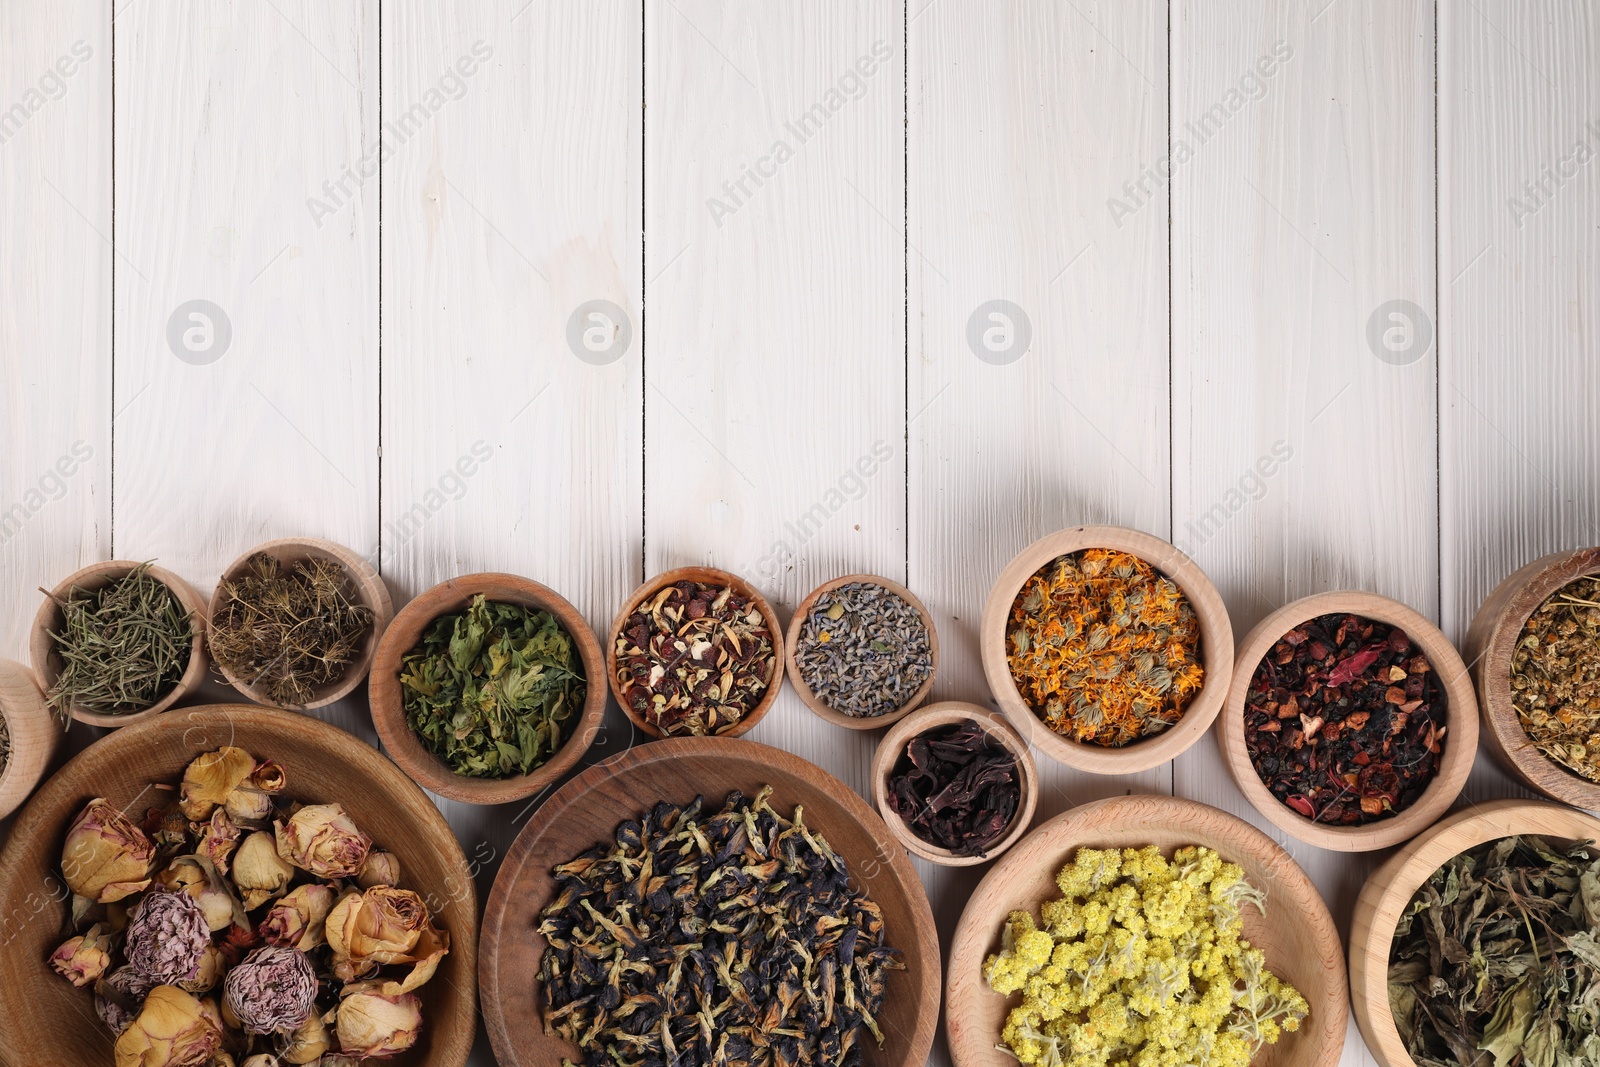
123	647
289	634
1498	958
734	940
491	691
1555	677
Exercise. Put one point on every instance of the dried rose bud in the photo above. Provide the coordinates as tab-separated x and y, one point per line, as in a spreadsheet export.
272	991
375	927
258	870
249	806
209	779
322	839
212	965
167	936
262	1059
119	996
297	920
269	777
218	839
370	1024
173	1029
106	856
308	1042
195	877
381	868
83	959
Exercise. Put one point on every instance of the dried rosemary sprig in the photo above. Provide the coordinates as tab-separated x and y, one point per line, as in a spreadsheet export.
289	633
122	647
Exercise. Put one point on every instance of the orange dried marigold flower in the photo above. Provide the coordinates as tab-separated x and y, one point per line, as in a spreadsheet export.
1104	648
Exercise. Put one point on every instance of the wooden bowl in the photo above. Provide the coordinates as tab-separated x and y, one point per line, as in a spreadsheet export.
706	576
586	812
932	717
388	705
1216	637
47	665
1461	723
792	641
1388	891
43	1019
369	590
1491	640
1297	933
35	735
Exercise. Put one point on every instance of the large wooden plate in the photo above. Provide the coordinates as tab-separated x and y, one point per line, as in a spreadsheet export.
44	1020
586	811
1297	934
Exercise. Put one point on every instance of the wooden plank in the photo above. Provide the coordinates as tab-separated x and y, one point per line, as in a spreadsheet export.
1304	455
1519	251
775	395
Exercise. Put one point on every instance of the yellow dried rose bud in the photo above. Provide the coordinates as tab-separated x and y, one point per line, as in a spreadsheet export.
373	1025
322	839
297	920
106	856
308	1043
83	959
173	1029
375	927
212	966
196	877
209	779
262	1059
249	806
381	868
218	840
258	870
269	777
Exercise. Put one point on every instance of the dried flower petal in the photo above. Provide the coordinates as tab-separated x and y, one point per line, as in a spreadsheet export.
83	959
297	920
322	839
167	936
212	966
106	857
218	840
259	872
210	778
173	1030
272	991
119	996
373	1025
379	926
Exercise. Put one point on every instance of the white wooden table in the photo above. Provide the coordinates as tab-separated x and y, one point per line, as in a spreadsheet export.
1307	286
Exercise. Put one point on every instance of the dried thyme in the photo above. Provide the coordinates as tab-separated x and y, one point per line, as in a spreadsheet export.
734	939
1555	677
289	633
863	651
123	647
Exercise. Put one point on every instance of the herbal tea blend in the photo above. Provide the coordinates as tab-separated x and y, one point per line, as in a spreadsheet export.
493	690
731	939
1497	958
1555	677
863	651
1104	648
123	647
1345	720
1141	962
289	633
231	922
956	787
695	659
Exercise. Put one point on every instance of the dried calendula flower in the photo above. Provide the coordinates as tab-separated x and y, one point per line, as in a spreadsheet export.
167	935
381	868
322	839
106	856
258	871
272	991
376	1026
83	959
173	1029
297	920
210	778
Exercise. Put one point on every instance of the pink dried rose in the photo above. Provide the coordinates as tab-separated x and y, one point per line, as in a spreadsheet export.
119	996
322	839
297	920
173	1029
210	778
376	1026
250	807
218	840
167	936
83	959
106	856
384	926
381	868
272	992
195	876
308	1042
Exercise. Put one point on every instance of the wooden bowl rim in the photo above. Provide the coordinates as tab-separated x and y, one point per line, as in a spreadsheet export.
370	589
499	906
1216	637
35	735
791	644
1389	889
1510	606
978	930
705	576
1461	720
96	576
388	708
932	717
347	747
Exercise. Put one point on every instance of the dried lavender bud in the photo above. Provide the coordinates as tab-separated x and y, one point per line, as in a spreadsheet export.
118	997
272	991
167	936
863	650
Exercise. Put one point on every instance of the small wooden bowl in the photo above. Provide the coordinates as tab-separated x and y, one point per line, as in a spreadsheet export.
792	641
34	734
1216	637
1296	933
706	576
1461	723
932	717
1389	889
1490	643
47	665
586	811
388	703
44	1020
369	590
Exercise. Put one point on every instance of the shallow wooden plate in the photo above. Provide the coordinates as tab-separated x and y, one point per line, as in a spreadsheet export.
1297	934
44	1020
586	811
